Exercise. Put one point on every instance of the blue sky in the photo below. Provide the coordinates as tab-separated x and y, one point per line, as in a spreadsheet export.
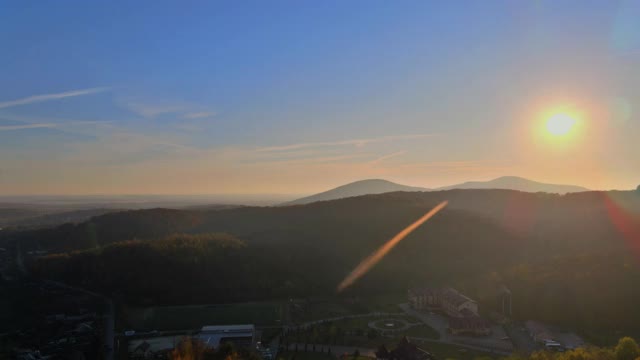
300	96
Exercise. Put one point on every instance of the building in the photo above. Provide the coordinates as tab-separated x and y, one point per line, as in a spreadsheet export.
461	310
239	335
455	304
551	339
448	300
471	325
142	351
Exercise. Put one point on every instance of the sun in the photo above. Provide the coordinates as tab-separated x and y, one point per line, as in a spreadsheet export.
560	124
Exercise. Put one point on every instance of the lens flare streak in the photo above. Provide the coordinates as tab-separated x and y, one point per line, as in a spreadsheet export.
374	258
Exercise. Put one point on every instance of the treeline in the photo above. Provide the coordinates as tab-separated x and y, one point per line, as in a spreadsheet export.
545	224
595	294
626	349
189	348
174	270
565	258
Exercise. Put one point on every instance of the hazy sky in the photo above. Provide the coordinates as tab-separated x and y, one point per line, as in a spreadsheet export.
295	97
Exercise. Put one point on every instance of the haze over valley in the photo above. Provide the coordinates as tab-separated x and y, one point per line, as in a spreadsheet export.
320	180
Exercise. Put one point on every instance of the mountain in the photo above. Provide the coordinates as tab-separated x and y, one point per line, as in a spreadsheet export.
363	187
517	183
566	258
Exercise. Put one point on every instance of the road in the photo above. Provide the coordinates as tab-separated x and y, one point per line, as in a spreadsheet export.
437	322
521	338
321	321
492	343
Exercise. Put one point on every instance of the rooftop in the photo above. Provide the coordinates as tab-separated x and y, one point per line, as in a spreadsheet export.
228	328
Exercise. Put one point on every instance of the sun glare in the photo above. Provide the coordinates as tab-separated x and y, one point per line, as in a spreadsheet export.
560	124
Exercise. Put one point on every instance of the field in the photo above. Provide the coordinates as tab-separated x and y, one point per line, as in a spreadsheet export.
356	331
337	307
194	317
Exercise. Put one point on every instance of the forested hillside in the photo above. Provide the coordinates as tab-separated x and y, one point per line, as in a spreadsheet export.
566	258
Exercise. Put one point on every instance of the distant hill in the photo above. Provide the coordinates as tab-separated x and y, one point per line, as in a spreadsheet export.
379	186
517	183
358	188
566	258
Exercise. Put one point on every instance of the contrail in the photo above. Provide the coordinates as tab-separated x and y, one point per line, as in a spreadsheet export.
373	259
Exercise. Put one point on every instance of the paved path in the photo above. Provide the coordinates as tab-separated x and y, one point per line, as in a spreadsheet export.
521	338
405	325
438	323
493	343
462	345
322	321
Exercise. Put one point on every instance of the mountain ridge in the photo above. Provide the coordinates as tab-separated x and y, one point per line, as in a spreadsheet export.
380	186
517	183
356	188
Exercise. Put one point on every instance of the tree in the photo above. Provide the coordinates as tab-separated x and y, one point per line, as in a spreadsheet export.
382	352
627	349
188	349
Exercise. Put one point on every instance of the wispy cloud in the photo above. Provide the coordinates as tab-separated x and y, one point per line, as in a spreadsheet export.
386	157
50	125
38	122
314	160
26	126
178	109
153	110
446	164
351	142
198	115
48	97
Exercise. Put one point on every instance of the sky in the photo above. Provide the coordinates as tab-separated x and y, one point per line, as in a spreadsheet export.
295	97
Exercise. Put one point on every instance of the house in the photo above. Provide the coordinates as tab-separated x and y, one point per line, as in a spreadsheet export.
461	310
424	298
239	335
142	351
469	325
453	303
448	300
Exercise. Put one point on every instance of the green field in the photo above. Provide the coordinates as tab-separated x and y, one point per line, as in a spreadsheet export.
356	332
422	331
194	317
335	307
